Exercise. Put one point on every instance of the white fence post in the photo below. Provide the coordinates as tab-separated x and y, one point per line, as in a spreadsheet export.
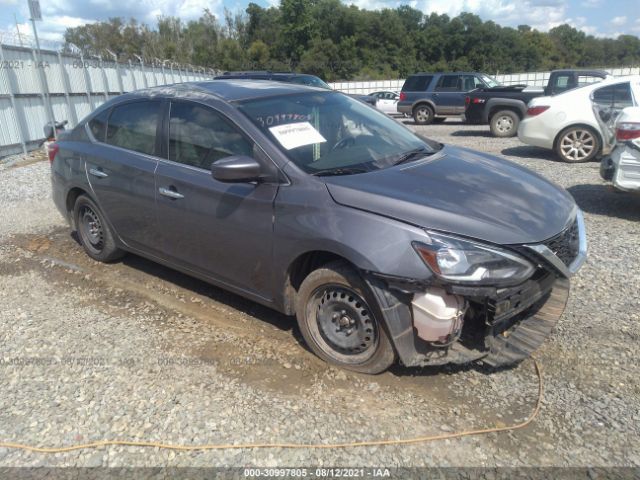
12	100
67	89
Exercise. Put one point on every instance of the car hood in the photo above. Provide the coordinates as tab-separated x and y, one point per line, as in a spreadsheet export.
462	192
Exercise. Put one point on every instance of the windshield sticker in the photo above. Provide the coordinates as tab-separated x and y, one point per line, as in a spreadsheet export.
294	135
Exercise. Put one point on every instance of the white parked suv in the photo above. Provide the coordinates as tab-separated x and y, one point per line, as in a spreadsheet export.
567	123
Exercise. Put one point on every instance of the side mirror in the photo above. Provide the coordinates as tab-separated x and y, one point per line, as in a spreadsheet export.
236	169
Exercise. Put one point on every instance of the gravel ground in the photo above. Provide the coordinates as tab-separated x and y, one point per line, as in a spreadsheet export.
136	351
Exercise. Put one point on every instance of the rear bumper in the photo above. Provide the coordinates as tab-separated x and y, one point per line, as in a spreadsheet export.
474	116
533	132
58	194
622	168
404	108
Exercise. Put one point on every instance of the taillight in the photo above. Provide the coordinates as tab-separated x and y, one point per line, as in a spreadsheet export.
52	150
403	96
627	131
467	100
533	111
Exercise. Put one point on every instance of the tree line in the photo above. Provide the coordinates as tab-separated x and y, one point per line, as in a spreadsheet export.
343	42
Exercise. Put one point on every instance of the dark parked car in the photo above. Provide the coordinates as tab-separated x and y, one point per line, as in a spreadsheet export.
431	97
382	243
503	107
291	77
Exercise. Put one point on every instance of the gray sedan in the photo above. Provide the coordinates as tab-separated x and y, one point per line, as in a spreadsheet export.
385	245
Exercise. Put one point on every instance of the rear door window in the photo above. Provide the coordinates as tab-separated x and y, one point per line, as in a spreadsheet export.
618	96
449	83
198	136
133	126
417	83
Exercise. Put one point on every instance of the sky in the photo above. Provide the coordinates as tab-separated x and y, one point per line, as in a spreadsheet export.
603	18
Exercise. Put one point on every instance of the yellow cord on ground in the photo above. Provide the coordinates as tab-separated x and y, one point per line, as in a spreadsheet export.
365	443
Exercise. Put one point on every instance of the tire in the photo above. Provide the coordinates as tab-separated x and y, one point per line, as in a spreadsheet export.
504	124
423	114
577	144
439	119
94	232
341	322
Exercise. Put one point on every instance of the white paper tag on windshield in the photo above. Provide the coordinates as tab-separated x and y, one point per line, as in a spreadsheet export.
294	135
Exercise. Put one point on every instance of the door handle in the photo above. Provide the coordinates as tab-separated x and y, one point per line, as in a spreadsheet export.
98	173
167	192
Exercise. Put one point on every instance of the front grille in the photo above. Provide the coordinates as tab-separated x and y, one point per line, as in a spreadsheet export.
566	245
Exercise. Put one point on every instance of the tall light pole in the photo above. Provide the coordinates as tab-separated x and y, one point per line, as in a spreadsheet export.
36	15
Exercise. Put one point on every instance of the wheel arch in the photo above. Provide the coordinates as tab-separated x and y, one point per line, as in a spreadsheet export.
301	266
423	101
70	201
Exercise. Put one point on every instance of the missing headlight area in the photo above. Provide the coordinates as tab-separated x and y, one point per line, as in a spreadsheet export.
499	326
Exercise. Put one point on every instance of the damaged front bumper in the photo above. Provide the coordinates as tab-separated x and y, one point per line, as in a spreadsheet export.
453	324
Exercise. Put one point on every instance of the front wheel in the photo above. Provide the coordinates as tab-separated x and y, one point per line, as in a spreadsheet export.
577	144
340	320
504	124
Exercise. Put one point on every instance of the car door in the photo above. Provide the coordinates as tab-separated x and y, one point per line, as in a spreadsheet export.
121	166
384	103
221	230
447	95
607	103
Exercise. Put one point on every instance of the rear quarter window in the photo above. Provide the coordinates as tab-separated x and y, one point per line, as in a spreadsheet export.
417	83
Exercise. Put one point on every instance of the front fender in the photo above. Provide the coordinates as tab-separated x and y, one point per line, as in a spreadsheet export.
307	219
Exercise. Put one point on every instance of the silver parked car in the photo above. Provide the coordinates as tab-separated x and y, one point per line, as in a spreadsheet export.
383	244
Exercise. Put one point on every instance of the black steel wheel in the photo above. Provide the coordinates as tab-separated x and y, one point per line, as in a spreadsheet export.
94	233
341	322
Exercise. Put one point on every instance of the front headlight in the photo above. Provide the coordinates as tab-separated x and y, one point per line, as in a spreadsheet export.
464	261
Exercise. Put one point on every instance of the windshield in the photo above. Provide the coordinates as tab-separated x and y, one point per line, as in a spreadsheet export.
332	134
490	81
311	81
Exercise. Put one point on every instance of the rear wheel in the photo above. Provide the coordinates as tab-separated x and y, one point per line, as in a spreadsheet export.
423	114
94	233
577	144
504	123
340	320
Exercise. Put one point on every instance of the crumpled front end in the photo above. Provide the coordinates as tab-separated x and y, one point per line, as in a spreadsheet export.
448	323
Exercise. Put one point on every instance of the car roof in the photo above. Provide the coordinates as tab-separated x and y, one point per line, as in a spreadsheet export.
263	73
447	73
231	90
611	81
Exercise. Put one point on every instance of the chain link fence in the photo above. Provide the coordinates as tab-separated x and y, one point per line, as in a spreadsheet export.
38	87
